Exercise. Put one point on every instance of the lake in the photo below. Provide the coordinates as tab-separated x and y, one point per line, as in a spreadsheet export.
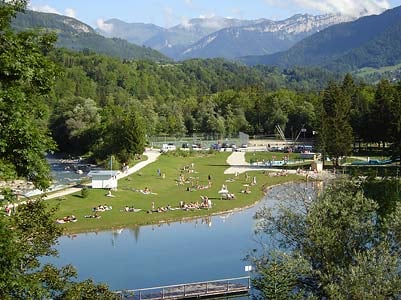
169	253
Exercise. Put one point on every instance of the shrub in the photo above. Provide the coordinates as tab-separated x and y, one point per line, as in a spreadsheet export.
85	192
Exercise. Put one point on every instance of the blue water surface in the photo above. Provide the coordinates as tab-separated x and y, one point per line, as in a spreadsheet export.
166	254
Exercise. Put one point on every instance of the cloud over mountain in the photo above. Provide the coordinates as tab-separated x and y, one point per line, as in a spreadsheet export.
69	12
102	25
353	8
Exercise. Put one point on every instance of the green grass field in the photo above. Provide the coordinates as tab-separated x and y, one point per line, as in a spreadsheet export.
167	191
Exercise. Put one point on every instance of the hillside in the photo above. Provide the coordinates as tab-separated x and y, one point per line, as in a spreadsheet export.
372	41
75	35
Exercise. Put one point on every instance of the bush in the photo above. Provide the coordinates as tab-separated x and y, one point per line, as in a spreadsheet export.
84	192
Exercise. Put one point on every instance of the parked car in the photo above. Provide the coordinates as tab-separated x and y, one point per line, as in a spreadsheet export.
168	147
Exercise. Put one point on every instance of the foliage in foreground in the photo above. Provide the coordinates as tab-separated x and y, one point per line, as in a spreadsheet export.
336	247
26	78
25	238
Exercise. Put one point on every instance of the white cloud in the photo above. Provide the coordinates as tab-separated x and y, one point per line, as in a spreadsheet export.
346	7
207	16
45	8
70	12
185	22
105	27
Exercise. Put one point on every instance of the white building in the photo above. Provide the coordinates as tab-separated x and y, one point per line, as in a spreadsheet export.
104	179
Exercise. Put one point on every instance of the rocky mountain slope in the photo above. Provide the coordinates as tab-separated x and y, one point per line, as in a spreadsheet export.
265	37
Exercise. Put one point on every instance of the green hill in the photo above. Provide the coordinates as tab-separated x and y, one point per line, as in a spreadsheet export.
75	35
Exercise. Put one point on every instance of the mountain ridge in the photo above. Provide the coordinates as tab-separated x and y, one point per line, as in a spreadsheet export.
344	47
232	37
265	37
76	35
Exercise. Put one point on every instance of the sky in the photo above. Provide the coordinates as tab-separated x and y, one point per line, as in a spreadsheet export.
168	13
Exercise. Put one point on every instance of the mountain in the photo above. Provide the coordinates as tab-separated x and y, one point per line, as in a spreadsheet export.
264	37
75	35
371	41
170	41
221	37
137	33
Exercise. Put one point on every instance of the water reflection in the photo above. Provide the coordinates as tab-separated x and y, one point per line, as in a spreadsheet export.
168	253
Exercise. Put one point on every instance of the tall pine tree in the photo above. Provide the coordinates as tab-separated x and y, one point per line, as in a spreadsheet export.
336	136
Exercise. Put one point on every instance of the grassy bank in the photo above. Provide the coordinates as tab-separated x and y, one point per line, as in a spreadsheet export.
165	191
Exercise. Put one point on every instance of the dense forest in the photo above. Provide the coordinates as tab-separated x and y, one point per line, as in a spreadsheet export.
196	96
95	95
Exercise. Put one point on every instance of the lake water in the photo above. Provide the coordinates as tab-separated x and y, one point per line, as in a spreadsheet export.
166	254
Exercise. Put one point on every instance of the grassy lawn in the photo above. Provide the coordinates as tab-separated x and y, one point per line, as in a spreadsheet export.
166	190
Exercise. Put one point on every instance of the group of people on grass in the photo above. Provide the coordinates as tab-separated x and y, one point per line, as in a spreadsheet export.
131	209
97	209
101	208
160	208
67	219
205	203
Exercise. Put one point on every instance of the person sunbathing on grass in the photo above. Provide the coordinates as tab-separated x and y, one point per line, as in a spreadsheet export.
94	216
67	219
246	191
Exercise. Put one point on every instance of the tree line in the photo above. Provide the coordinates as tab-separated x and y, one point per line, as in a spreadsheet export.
215	97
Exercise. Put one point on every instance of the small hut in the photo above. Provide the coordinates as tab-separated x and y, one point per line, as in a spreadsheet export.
103	179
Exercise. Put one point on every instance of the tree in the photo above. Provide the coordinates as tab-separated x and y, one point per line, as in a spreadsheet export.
380	113
396	122
74	122
336	132
345	249
123	134
26	77
28	235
